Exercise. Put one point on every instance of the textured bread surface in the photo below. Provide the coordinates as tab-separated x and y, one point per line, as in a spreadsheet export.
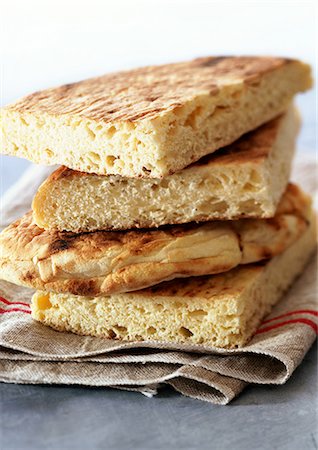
106	262
218	310
153	121
246	179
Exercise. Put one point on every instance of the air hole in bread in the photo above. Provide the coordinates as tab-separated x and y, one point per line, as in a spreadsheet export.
120	329
192	119
90	133
185	332
205	207
76	123
151	330
221	108
110	132
110	160
198	313
158	306
248	187
111	334
49	152
24	122
249	206
164	184
44	302
94	156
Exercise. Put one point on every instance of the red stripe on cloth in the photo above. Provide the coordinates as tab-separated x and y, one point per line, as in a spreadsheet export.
287	322
7	302
2	311
291	313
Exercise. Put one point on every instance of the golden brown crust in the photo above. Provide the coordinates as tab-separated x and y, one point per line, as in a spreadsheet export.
154	121
220	310
105	262
146	92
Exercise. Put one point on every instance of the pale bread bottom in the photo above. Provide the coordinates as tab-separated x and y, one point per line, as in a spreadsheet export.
222	310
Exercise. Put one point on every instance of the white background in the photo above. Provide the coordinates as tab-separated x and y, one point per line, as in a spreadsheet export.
45	43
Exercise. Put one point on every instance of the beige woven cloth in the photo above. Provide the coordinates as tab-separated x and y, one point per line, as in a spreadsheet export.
32	353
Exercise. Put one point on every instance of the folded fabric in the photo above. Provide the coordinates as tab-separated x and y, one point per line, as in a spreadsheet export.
33	353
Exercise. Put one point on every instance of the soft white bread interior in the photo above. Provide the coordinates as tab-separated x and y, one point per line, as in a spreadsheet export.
153	121
246	179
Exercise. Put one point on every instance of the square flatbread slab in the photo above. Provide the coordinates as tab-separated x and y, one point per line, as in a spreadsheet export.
246	179
153	121
218	310
106	262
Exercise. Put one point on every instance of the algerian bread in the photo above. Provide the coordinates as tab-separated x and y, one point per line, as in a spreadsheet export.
153	121
106	262
218	310
246	179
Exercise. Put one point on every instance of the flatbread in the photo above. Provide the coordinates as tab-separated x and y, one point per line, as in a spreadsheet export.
100	263
246	179
221	310
153	121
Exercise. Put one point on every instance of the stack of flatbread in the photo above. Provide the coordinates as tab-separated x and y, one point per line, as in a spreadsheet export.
172	217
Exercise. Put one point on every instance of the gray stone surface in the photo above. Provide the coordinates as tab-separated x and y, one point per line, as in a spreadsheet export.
47	417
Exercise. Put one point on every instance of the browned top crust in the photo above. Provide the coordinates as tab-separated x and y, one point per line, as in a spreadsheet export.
253	147
146	92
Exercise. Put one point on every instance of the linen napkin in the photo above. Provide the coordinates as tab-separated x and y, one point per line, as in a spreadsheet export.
34	354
